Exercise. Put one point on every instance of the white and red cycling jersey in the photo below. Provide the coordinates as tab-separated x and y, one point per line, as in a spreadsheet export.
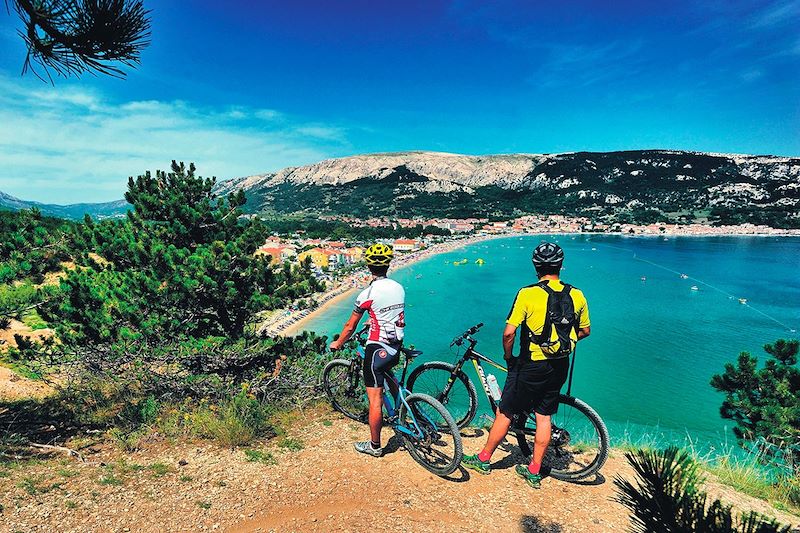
385	301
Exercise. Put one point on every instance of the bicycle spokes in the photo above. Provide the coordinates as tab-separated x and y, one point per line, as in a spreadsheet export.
429	444
578	441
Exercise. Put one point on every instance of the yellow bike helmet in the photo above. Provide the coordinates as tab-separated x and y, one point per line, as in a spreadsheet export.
379	255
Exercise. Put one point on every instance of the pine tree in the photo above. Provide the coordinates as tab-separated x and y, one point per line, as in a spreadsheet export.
181	264
765	402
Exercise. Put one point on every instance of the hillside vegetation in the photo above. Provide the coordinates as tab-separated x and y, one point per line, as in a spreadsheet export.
632	186
639	186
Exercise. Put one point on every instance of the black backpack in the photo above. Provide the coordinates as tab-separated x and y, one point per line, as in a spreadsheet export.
561	316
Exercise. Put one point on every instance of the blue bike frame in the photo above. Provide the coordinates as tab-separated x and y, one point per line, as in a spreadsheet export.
392	404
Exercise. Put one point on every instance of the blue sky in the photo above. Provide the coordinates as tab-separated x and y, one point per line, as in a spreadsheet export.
249	87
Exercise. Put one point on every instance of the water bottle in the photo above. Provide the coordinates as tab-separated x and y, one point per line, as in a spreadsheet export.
494	388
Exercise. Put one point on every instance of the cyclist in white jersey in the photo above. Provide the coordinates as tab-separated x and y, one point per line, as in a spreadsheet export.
384	302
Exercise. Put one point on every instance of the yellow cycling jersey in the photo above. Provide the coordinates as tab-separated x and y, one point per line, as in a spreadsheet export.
529	310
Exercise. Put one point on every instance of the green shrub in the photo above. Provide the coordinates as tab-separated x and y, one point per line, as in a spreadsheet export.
126	440
259	456
233	422
667	498
160	469
291	444
109	479
33	320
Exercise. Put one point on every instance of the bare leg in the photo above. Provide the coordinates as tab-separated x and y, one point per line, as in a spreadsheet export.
541	441
375	396
497	433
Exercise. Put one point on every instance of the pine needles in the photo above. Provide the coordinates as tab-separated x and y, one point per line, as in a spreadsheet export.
667	498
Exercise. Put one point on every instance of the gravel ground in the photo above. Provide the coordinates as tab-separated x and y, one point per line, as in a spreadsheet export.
324	486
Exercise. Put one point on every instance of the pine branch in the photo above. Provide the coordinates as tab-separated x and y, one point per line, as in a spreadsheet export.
71	37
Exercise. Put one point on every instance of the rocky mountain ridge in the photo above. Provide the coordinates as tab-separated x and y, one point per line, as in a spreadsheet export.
633	186
603	182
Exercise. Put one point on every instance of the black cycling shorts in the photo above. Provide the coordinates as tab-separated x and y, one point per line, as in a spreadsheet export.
534	386
378	363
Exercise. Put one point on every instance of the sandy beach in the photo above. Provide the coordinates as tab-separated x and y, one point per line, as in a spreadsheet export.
290	323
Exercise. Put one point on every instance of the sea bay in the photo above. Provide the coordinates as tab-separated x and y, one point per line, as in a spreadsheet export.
657	337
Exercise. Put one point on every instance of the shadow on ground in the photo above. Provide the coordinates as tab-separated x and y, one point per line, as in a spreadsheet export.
533	524
38	421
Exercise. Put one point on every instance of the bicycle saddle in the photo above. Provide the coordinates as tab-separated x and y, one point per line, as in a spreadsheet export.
410	353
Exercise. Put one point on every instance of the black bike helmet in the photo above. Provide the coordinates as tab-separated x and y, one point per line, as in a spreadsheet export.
548	254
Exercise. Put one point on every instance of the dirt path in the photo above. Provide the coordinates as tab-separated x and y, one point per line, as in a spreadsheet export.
324	486
15	387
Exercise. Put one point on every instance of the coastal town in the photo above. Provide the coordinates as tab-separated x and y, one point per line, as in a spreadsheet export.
335	262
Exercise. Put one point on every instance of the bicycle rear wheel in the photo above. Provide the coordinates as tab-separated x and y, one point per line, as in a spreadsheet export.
579	440
432	378
342	382
438	449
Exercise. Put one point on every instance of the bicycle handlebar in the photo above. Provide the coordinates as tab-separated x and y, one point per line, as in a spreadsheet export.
357	338
458	341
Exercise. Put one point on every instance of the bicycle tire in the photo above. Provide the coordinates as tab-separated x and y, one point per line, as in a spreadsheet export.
461	417
597	461
433	431
348	397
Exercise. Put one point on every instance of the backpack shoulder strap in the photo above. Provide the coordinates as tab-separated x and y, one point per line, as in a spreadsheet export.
545	286
544	336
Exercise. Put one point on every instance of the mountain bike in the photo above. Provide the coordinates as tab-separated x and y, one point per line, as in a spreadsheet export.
427	430
579	441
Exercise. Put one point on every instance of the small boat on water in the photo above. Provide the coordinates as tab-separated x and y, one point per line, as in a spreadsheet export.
743	301
684	276
695	288
643	278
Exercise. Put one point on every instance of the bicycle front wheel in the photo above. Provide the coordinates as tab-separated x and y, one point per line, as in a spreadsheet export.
578	443
342	382
433	378
439	448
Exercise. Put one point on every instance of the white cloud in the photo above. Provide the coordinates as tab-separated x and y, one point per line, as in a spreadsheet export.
64	145
573	64
778	13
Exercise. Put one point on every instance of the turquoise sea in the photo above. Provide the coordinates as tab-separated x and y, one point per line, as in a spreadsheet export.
655	343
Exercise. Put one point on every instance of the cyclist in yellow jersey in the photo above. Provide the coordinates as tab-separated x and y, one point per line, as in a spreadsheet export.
548	336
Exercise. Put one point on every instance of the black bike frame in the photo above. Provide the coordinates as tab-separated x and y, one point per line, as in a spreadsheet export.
477	358
477	361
